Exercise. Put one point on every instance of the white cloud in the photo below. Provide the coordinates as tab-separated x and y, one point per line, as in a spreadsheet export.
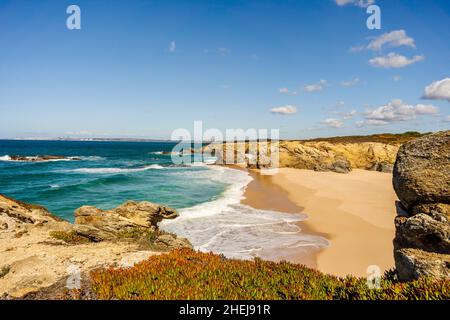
316	86
438	90
333	123
447	119
359	3
350	83
397	78
172	46
396	111
346	115
225	86
394	60
349	115
395	38
284	110
287	91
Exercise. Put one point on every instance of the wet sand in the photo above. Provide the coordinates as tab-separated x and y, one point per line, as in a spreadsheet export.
262	193
354	211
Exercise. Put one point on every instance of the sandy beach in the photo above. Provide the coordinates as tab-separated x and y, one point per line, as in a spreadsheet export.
354	211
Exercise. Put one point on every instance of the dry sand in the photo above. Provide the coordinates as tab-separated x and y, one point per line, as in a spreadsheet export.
354	211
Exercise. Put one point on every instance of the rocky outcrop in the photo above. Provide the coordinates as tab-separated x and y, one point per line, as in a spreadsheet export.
421	180
40	158
311	155
128	219
422	171
37	248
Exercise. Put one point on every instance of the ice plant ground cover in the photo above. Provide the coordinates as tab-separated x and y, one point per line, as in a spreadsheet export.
186	274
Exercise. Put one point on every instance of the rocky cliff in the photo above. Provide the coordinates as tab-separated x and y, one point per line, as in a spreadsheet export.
38	249
339	157
421	180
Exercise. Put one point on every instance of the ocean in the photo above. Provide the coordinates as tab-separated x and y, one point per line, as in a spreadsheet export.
110	173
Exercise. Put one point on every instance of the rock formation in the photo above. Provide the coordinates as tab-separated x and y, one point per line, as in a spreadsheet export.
422	182
37	248
40	158
311	155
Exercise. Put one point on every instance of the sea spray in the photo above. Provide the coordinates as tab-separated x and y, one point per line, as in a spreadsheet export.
226	226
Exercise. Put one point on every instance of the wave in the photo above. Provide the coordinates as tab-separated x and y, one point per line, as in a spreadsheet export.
91	158
115	170
238	231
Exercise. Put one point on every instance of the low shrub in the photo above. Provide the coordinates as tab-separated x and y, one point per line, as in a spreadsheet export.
186	274
70	237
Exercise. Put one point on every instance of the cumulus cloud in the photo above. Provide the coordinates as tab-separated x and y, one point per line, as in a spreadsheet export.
395	38
284	110
350	83
359	3
394	60
333	123
350	114
438	90
396	111
316	86
172	46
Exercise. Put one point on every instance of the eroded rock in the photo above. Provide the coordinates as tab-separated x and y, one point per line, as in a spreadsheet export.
421	180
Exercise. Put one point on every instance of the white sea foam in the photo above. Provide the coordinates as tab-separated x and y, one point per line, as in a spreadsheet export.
226	226
5	158
116	170
91	158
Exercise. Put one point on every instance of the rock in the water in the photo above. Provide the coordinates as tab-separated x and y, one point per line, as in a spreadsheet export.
41	158
421	180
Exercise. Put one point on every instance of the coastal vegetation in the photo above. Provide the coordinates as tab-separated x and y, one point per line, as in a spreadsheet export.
388	138
187	274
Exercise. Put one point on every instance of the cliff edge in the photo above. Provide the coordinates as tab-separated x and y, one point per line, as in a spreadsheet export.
38	249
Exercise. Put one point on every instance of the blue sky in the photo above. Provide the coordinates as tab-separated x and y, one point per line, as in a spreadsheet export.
144	68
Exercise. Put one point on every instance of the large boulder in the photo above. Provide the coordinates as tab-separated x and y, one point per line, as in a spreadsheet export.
130	218
415	263
422	170
421	180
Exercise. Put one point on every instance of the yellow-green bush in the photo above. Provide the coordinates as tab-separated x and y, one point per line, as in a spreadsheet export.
70	237
186	274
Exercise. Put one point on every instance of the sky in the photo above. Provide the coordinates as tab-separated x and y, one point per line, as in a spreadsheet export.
144	68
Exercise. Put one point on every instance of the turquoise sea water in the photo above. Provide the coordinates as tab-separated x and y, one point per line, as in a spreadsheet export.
110	173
